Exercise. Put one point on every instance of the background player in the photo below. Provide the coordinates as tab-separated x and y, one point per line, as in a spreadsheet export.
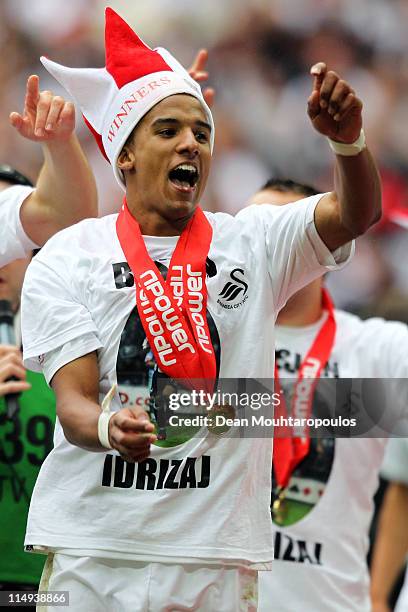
320	557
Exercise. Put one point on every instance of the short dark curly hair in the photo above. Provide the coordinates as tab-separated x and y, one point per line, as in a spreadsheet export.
287	186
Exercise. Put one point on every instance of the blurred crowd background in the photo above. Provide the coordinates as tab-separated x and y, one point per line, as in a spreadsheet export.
260	55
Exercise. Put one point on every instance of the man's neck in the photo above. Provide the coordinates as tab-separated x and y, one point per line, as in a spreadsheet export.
159	227
152	223
303	308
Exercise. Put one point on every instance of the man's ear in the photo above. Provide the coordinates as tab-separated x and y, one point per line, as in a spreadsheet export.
126	160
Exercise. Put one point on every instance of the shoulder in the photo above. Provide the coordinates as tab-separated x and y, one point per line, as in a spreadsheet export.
220	220
71	252
226	226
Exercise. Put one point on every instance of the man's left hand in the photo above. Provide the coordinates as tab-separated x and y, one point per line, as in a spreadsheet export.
333	107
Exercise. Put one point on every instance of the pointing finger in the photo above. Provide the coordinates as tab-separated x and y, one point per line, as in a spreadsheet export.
32	94
318	71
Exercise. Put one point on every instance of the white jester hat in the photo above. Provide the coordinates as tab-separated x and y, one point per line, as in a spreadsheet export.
115	98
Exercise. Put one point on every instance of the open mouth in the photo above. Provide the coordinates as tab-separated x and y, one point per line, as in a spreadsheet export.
184	177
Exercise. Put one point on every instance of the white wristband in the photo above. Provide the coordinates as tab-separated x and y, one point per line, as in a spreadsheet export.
105	417
340	148
103	428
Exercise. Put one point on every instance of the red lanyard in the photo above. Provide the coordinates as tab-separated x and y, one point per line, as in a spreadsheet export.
174	312
289	451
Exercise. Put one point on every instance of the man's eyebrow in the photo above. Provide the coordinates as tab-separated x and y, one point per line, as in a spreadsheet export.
163	120
204	125
173	121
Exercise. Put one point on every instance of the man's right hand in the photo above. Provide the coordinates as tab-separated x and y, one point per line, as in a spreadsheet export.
11	366
131	433
76	386
333	107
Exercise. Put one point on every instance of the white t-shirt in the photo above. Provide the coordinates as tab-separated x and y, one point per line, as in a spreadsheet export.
197	499
14	242
395	468
320	559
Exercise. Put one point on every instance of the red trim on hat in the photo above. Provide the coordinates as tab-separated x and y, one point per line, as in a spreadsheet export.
127	57
97	137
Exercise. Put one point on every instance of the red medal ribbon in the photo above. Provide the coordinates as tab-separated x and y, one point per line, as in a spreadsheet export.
290	449
174	312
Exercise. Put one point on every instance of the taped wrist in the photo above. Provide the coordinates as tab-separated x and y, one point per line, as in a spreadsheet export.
105	417
348	150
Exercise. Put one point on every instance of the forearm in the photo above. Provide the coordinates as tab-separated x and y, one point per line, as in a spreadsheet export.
66	183
65	191
391	545
358	190
79	419
76	386
354	205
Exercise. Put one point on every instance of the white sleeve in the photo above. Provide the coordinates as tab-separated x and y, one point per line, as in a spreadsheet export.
14	242
53	310
395	464
53	360
295	252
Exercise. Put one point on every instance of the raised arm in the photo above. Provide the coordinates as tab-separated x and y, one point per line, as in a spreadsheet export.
355	204
76	389
66	189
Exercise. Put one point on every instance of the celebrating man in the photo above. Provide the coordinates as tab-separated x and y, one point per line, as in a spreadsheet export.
185	520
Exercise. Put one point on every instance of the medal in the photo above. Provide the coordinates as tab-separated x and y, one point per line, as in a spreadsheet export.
224	412
280	507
